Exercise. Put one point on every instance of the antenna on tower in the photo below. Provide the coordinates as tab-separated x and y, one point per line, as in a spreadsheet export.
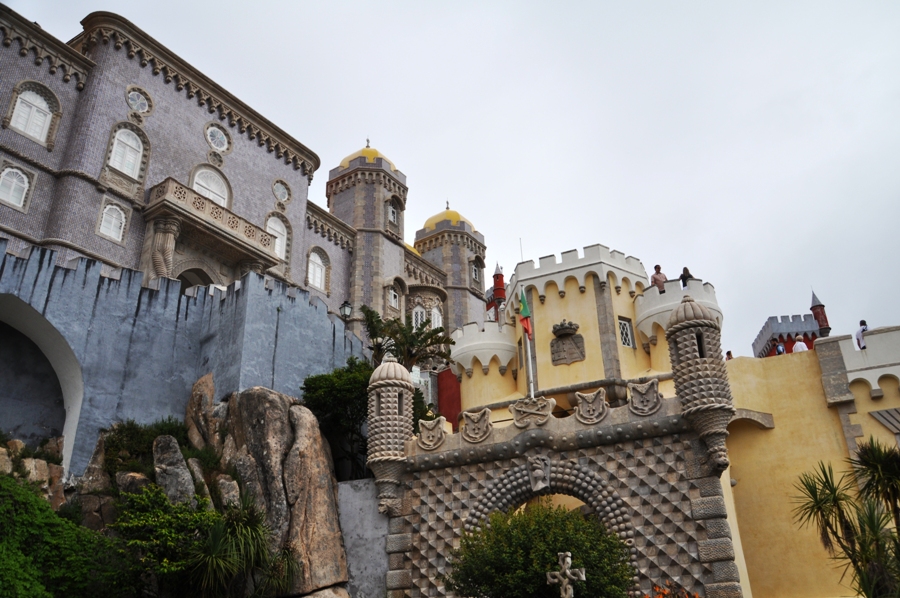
367	142
521	253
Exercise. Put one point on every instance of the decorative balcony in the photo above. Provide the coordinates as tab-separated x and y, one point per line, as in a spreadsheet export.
179	213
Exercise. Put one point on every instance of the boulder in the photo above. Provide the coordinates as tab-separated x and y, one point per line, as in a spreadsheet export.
54	447
131	482
171	471
5	462
55	494
202	420
15	447
228	490
332	592
278	451
36	471
312	495
95	478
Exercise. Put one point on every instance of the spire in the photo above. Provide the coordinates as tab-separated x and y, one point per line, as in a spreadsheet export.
815	301
498	269
448	204
367	142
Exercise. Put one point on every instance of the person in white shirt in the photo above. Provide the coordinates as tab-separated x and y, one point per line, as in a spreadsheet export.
860	339
799	345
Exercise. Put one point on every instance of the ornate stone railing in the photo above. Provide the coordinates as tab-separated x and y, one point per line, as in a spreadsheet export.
180	212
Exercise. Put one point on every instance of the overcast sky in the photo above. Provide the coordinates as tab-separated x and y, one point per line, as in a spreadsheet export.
756	143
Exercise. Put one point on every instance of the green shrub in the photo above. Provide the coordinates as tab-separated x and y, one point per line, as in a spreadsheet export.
44	555
207	456
510	557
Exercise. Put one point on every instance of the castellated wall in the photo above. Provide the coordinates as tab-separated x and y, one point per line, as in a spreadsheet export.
122	351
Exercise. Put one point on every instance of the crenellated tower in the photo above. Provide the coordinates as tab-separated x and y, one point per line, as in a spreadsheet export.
450	242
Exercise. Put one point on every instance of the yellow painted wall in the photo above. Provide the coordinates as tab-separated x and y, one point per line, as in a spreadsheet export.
736	534
782	559
575	307
483	389
634	362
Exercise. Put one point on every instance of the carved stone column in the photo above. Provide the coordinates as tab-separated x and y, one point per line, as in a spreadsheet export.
165	232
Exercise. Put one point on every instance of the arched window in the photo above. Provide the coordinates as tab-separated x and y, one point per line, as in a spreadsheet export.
112	222
437	320
212	185
315	272
394	298
276	228
418	316
32	115
126	153
13	186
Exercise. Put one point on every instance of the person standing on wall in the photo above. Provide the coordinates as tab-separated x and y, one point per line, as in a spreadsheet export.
860	339
685	277
659	279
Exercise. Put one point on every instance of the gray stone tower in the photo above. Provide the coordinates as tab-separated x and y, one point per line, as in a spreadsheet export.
368	192
701	383
390	425
449	241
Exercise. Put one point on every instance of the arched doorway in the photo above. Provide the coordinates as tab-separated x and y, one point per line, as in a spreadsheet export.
194	277
40	344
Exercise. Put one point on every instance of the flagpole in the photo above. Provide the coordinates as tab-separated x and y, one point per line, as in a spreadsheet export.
528	364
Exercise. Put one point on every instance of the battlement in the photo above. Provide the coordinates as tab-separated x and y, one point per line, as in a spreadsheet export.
783	326
493	341
654	307
597	259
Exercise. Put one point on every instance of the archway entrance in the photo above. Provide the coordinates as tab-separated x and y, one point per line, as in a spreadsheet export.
39	344
194	277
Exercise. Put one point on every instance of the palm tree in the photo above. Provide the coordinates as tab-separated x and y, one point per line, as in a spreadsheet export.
856	517
409	344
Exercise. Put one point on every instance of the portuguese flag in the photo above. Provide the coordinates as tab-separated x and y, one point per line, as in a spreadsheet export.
525	315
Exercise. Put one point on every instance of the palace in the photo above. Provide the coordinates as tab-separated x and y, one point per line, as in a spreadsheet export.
155	229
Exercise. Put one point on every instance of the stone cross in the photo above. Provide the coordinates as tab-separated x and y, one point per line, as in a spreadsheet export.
565	576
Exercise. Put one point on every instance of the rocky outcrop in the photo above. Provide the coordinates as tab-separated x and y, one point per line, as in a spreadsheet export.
171	470
95	478
278	451
131	482
228	490
5	462
97	511
332	592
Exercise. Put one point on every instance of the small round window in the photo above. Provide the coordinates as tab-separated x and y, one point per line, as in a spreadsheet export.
281	191
217	138
138	100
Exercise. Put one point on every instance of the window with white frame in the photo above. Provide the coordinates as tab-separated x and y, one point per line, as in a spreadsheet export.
13	186
315	271
32	115
112	222
126	153
626	332
437	319
418	316
392	213
212	185
276	228
476	272
393	298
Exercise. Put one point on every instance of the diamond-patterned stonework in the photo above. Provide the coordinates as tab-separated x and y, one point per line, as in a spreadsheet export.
642	488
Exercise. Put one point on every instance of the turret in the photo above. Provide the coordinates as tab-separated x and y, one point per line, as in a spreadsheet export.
390	425
497	296
695	350
818	310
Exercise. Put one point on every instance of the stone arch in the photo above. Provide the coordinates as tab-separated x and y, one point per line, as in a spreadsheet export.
200	264
24	318
519	485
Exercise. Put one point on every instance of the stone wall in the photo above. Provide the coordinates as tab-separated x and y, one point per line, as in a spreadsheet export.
365	533
124	351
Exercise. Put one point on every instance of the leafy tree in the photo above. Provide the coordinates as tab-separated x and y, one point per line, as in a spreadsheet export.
339	401
510	557
43	555
855	517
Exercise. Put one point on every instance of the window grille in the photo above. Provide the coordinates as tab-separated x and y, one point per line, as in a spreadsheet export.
626	332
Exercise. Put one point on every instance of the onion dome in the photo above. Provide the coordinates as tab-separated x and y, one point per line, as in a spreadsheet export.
390	370
369	153
452	215
689	310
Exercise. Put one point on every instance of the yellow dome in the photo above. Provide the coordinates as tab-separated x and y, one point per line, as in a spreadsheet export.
369	153
452	215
